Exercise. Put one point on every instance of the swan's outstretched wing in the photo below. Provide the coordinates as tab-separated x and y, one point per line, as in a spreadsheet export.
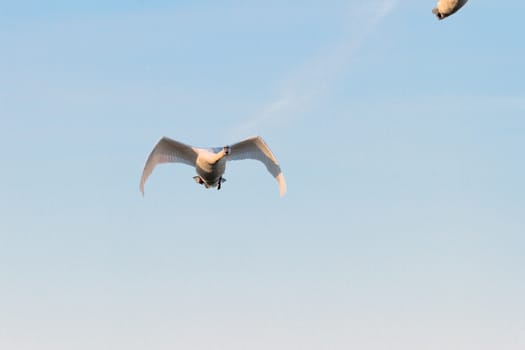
167	151
256	148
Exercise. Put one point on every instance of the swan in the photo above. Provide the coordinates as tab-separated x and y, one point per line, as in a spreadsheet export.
210	163
445	8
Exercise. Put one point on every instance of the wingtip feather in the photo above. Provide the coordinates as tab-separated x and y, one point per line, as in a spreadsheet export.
282	184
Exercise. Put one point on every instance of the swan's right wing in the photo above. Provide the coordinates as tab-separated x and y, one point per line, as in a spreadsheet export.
167	151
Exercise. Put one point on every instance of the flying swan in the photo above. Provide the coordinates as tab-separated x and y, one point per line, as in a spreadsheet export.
210	163
445	8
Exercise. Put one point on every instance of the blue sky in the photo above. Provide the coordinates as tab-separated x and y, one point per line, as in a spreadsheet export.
401	138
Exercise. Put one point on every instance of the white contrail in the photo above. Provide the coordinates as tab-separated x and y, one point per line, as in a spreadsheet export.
299	92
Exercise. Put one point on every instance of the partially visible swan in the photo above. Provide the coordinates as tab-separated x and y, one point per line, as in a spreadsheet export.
210	163
445	8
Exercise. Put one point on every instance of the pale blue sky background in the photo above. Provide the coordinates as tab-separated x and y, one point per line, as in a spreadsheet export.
401	138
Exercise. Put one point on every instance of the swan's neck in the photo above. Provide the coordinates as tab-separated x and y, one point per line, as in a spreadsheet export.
217	156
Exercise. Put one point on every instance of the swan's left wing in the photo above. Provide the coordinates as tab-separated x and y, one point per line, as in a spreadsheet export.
256	148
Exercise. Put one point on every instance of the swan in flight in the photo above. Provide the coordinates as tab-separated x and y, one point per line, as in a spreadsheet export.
445	8
210	163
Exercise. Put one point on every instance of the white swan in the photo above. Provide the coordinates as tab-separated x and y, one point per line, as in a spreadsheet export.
210	163
445	8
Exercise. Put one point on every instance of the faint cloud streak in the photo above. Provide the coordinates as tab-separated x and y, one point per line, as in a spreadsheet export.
300	91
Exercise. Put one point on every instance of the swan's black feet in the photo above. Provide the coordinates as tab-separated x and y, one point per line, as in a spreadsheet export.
221	180
198	180
227	150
